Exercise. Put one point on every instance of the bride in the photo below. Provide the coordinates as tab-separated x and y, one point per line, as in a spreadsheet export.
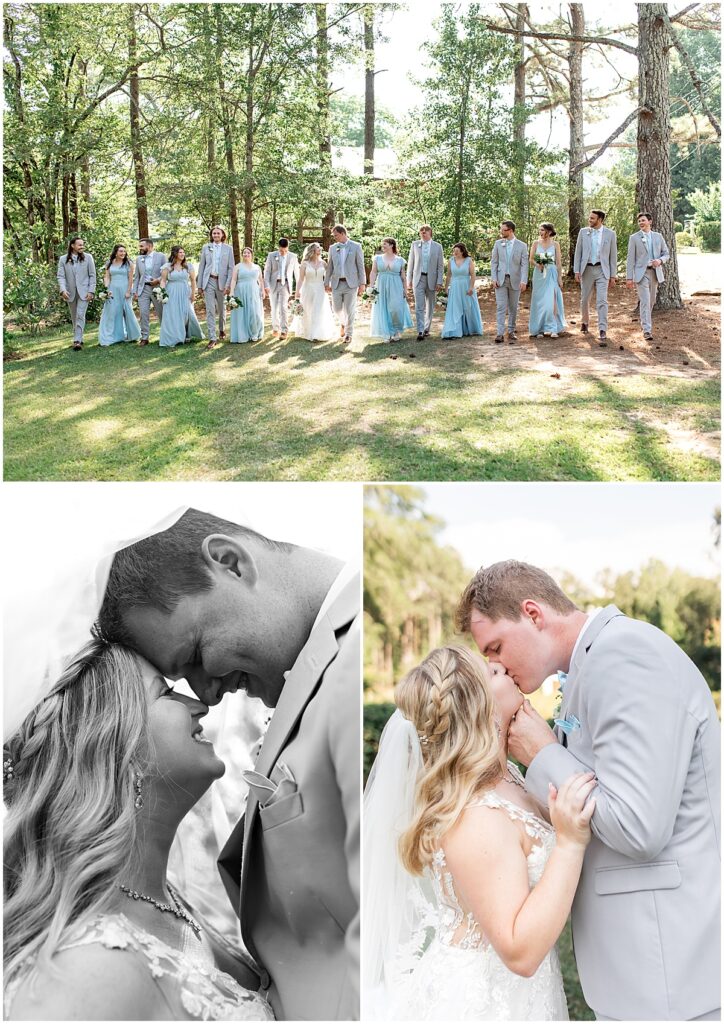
467	887
316	321
98	776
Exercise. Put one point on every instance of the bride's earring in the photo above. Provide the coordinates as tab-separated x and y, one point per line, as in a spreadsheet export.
496	723
138	786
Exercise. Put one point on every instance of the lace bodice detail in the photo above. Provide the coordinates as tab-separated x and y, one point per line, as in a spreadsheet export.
452	916
314	275
188	977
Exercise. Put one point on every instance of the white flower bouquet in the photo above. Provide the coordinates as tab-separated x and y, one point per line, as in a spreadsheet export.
371	294
544	260
160	293
441	299
297	308
105	294
232	302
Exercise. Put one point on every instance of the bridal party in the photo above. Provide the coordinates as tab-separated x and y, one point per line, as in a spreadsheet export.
319	296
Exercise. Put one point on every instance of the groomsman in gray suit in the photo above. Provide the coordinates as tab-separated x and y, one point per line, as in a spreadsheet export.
281	270
647	253
213	277
509	271
345	278
637	712
425	277
594	264
146	277
77	283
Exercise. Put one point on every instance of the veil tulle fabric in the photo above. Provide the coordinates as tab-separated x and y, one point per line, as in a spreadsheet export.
398	909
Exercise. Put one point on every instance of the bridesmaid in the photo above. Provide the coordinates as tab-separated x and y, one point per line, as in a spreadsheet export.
247	284
547	315
118	321
179	322
462	316
390	313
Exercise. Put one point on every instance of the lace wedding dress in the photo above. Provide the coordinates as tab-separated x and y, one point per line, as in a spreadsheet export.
192	986
454	973
316	321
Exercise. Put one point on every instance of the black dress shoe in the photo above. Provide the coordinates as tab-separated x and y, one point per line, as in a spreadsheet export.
584	328
499	340
648	336
602	340
420	336
426	334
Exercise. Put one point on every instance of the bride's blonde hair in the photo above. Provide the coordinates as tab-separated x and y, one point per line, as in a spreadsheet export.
313	246
70	831
448	700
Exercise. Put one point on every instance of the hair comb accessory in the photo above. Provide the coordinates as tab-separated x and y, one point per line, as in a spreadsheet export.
8	770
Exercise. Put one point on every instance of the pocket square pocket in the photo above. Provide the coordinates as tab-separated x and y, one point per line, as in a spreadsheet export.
281	811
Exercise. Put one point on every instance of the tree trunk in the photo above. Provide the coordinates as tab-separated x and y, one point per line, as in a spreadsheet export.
85	191
64	206
139	170
369	52
74	218
576	212
461	161
228	141
323	89
519	120
273	243
210	121
653	170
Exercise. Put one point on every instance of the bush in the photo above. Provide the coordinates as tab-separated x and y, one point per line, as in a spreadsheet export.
708	233
31	296
678	226
684	240
375	719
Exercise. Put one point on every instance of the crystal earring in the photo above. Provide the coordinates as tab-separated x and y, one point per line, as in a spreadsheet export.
138	786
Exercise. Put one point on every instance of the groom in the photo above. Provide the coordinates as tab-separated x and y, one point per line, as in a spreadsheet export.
226	608
345	278
594	264
637	711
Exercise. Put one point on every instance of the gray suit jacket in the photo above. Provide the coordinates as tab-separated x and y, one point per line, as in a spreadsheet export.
646	917
292	869
608	254
354	267
84	278
435	267
156	261
638	257
271	274
518	262
206	265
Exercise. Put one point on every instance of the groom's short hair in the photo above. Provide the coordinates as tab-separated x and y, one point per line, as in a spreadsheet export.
600	213
497	591
508	224
158	571
339	229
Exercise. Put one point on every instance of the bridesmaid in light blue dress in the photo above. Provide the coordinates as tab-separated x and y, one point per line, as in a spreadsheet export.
118	321
179	322
547	315
462	316
247	284
390	313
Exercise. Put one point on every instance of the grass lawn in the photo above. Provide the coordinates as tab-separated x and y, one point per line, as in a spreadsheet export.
442	410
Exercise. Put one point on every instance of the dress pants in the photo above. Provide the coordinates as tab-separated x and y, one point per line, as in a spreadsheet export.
506	301
78	308
145	299
590	277
344	300
279	302
647	288
214	297
424	303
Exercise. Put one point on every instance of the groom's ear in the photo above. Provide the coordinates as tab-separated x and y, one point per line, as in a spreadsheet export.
226	555
533	611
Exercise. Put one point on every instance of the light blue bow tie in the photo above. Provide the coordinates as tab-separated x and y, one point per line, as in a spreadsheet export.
562	679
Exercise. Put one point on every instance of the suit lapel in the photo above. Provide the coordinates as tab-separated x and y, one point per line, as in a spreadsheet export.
591	631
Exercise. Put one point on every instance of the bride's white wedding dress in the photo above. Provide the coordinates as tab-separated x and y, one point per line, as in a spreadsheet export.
191	984
459	976
316	321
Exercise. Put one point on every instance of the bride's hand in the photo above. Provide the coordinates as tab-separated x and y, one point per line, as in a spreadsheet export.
569	811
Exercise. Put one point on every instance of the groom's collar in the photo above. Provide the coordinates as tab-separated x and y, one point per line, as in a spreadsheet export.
593	626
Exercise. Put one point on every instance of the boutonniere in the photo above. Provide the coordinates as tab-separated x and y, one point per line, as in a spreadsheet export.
276	258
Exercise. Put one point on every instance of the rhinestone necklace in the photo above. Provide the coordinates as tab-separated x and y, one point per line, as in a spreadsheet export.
177	910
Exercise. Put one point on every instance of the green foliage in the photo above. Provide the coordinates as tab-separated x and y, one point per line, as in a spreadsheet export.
375	717
684	240
30	294
708	232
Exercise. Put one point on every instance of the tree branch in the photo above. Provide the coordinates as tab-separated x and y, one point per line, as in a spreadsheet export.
694	74
562	35
675	17
602	148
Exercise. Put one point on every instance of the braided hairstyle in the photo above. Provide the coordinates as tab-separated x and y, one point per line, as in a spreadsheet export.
70	831
448	700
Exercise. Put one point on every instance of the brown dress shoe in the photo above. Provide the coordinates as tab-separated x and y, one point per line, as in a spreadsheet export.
584	328
142	342
499	339
602	340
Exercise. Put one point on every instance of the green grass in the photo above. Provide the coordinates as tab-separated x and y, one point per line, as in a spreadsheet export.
296	411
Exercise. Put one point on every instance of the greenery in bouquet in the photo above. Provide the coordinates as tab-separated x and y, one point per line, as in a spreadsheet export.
161	294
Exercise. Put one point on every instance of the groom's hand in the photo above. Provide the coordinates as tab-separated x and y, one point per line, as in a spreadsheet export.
528	733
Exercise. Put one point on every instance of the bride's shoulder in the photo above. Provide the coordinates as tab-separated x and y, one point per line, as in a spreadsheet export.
90	982
482	827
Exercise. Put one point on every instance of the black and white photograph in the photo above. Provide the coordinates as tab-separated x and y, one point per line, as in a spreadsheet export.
181	754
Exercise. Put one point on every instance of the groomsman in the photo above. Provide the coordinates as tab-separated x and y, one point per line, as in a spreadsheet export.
281	270
594	263
647	253
509	271
345	278
77	283
146	277
425	276
214	278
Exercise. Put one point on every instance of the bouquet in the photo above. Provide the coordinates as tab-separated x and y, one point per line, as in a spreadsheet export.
370	294
297	308
442	299
105	294
160	293
232	302
545	260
